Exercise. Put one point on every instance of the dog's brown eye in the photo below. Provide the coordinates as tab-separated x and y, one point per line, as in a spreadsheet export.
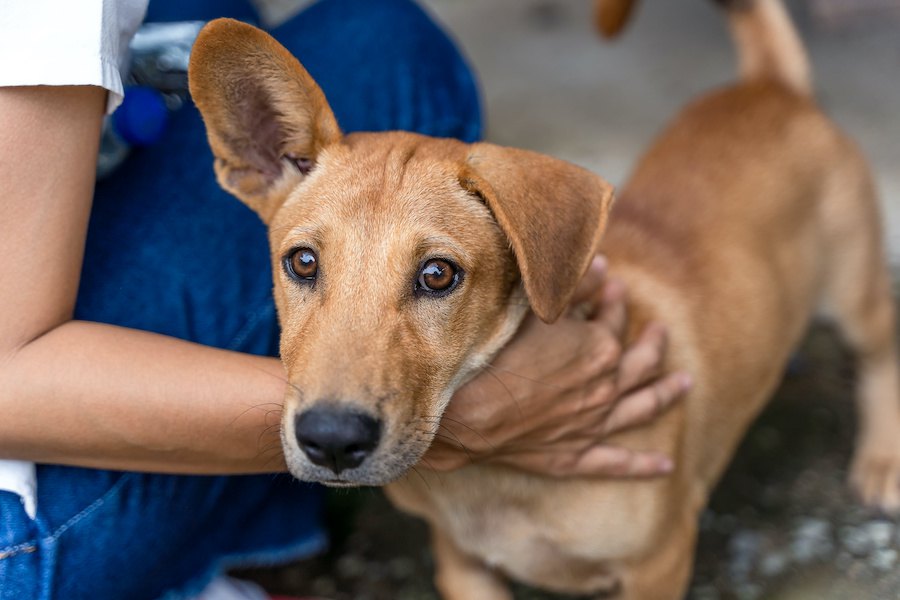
302	264
438	276
303	164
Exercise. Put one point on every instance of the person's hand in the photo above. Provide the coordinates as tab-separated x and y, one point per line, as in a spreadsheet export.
552	395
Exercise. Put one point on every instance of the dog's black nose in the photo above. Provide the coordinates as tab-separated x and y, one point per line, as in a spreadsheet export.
335	438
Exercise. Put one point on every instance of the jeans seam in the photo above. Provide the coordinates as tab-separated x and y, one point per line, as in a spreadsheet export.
23	548
248	326
93	506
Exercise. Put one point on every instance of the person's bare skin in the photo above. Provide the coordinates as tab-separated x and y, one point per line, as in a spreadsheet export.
96	395
517	428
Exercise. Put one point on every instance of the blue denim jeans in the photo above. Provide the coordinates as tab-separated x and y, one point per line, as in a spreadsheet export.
169	252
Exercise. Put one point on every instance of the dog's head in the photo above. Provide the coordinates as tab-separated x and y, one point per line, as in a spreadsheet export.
398	259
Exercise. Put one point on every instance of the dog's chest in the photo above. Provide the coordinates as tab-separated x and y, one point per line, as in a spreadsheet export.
556	535
516	543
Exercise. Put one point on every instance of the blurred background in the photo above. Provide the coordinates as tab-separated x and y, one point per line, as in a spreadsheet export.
781	524
552	85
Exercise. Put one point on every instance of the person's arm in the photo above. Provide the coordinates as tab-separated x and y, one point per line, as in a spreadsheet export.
90	394
97	395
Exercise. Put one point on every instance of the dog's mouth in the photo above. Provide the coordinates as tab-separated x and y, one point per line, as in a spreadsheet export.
338	483
374	475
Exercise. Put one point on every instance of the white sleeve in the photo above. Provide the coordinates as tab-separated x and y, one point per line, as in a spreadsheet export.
67	42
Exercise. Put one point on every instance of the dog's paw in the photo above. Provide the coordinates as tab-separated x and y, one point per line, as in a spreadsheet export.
875	476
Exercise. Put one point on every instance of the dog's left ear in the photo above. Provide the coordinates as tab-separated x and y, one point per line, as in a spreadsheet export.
266	118
553	213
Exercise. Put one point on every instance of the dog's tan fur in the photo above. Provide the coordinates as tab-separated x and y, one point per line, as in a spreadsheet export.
750	213
374	207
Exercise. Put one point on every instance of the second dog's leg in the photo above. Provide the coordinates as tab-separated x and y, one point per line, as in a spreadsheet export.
875	473
859	297
461	577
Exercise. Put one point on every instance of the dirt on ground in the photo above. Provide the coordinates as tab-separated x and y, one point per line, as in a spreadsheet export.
781	524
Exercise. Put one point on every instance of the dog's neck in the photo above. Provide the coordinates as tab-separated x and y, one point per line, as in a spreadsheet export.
516	310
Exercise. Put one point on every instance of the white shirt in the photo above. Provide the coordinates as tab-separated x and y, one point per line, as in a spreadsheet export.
62	42
67	42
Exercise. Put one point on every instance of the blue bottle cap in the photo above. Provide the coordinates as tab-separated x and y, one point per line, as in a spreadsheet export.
141	118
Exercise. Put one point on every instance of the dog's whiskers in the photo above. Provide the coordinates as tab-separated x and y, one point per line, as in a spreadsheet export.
267	411
431	468
524	377
439	427
489	369
425	481
283	380
441	419
276	427
270	449
453	440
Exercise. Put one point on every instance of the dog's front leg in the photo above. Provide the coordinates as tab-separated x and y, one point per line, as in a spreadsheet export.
461	577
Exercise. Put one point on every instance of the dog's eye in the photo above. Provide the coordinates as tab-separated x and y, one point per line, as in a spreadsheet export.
438	277
301	264
302	163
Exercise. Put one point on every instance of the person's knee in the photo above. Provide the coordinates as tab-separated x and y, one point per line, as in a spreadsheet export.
386	65
168	251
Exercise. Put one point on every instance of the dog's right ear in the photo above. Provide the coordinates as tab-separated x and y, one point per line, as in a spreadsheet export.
266	118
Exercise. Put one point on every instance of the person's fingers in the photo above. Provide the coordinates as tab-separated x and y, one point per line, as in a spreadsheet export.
591	282
643	359
548	463
612	310
647	403
613	461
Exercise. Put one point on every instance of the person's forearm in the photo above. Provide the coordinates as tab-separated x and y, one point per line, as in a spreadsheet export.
102	396
96	395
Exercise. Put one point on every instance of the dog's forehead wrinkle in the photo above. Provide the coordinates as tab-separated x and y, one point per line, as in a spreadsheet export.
397	165
303	231
378	216
384	188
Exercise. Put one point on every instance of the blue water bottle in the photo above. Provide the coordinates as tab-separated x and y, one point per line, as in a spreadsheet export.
156	84
139	121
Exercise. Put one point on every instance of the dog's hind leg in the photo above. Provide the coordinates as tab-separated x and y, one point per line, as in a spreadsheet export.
858	297
461	577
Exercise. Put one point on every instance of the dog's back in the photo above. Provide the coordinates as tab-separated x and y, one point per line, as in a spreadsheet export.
747	214
727	214
718	235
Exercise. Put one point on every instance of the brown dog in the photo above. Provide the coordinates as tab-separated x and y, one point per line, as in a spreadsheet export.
399	266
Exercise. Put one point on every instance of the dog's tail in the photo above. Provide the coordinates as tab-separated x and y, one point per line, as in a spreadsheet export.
768	45
611	16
